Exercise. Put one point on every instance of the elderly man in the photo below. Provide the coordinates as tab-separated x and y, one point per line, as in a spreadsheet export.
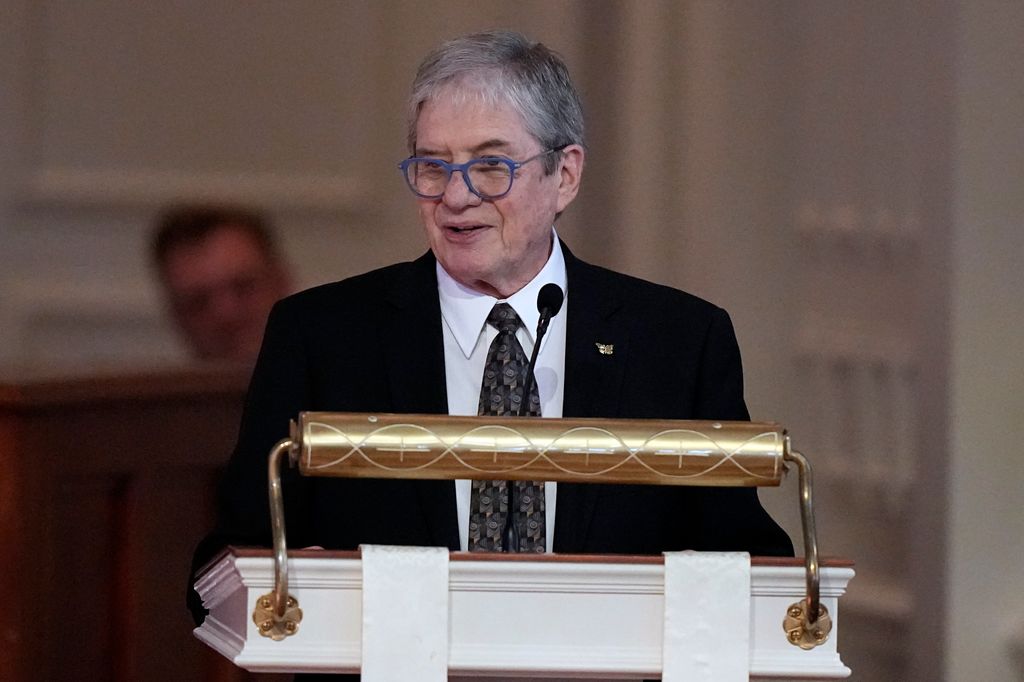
496	142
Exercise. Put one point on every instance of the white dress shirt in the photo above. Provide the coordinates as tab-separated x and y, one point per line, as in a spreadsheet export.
467	337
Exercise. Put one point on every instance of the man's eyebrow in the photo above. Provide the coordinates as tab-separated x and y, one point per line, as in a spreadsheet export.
492	145
427	151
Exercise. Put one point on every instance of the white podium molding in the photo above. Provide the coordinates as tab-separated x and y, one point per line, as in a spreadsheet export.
592	616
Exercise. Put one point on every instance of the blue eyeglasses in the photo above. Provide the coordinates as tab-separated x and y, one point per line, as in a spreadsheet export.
489	177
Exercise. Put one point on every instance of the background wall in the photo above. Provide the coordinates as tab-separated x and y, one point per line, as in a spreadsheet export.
843	177
986	528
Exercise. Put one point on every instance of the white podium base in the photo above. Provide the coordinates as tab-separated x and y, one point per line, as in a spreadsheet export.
597	617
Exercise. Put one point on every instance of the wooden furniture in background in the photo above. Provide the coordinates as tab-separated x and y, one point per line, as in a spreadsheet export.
106	483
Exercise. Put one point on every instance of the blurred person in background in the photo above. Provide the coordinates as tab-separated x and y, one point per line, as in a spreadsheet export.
221	272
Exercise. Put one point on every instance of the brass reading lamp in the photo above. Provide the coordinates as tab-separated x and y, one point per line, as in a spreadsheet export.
632	451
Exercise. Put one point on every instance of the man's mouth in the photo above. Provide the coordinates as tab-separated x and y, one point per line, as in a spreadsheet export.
460	229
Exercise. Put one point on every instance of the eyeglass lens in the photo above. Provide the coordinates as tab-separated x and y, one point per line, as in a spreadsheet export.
489	178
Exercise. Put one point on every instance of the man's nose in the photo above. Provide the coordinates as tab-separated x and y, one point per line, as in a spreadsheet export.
457	193
227	305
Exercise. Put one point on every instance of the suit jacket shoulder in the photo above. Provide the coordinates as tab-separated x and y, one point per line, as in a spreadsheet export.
399	284
361	344
667	353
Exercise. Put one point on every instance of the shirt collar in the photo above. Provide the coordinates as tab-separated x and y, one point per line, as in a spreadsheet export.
465	310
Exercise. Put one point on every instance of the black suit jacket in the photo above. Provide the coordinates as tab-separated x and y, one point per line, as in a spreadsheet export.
373	343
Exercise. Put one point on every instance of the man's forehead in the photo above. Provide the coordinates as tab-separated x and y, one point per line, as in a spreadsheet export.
465	119
227	248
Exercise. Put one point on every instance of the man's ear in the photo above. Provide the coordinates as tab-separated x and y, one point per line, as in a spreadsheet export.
570	172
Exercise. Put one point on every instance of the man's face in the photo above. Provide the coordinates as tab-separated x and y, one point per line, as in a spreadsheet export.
221	290
492	246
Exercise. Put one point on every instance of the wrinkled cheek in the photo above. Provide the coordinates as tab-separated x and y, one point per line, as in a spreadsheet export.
427	222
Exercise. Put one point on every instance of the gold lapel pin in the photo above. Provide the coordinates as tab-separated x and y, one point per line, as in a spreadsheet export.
605	348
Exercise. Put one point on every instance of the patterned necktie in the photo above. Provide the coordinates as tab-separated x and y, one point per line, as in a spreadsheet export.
501	391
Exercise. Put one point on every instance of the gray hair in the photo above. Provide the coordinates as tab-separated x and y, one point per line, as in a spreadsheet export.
505	67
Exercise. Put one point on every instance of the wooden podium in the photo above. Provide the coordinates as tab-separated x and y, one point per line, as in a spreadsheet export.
591	616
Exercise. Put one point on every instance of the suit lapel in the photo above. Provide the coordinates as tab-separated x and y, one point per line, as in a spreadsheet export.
593	381
414	346
414	358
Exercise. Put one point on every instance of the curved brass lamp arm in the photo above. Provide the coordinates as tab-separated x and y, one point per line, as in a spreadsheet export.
277	527
277	613
807	625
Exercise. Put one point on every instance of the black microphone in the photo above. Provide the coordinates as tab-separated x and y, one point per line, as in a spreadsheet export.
549	303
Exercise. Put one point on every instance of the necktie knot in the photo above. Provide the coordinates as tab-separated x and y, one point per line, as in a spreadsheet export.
503	317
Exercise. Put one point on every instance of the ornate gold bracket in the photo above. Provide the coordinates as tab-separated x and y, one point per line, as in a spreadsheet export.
646	452
273	625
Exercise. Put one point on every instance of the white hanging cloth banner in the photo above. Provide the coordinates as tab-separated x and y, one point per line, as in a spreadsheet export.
405	614
707	617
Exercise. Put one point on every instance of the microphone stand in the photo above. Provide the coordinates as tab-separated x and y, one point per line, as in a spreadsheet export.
510	534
